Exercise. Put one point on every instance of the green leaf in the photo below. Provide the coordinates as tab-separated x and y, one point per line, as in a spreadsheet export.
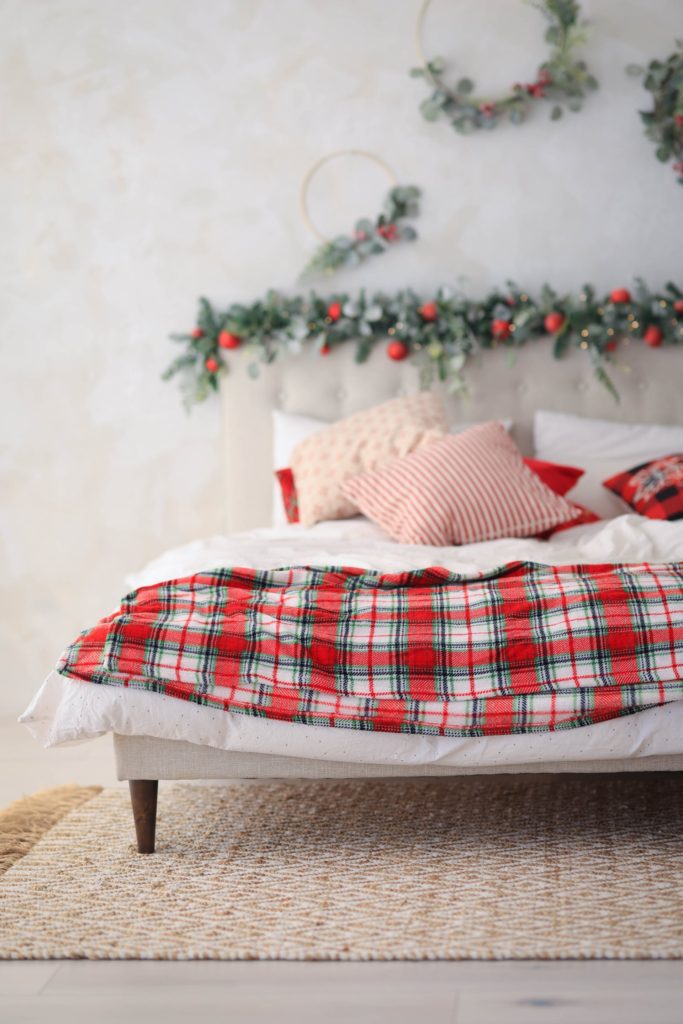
429	110
635	70
465	85
556	113
606	382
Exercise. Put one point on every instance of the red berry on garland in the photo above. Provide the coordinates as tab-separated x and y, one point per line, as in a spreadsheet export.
611	346
500	329
679	120
389	232
554	322
620	295
211	365
397	350
653	336
678	306
228	340
325	349
429	311
334	311
197	333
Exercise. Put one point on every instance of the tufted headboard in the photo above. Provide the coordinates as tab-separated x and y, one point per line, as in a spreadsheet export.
501	384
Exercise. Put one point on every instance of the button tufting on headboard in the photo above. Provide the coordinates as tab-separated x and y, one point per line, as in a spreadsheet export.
338	386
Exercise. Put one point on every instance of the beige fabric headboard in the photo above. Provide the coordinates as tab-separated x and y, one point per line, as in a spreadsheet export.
501	384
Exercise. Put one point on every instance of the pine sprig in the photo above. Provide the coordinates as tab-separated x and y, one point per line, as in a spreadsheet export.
438	334
664	122
369	238
561	80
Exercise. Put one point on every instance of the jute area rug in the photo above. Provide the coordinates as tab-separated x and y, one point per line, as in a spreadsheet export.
471	868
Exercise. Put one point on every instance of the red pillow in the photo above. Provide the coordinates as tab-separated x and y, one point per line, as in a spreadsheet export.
561	479
460	489
558	478
584	516
290	499
653	489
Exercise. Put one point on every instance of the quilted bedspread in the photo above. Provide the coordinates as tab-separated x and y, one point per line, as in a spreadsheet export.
521	648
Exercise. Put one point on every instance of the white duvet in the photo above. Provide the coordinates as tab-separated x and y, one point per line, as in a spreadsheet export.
65	711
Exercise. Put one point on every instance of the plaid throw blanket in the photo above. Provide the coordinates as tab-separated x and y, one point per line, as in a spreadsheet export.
522	648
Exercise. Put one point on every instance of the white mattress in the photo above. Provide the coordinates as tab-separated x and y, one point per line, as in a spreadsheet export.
64	711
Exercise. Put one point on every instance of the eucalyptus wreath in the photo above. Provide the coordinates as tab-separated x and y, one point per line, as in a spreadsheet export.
664	122
561	80
370	237
437	333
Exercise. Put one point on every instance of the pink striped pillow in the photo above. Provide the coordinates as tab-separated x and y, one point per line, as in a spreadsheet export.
461	489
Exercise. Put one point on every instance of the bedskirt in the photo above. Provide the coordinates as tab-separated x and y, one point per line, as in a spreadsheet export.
146	757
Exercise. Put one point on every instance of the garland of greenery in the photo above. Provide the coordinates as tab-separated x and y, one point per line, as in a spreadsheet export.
664	123
561	79
438	333
370	238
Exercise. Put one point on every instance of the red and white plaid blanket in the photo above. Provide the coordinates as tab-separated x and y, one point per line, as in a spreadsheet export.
522	648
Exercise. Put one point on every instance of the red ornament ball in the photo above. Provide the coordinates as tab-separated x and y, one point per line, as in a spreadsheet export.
653	336
334	311
678	306
397	350
620	295
211	364
228	340
429	311
500	329
554	322
325	350
197	333
611	346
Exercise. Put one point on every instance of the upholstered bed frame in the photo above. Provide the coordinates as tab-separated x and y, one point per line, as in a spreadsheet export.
501	384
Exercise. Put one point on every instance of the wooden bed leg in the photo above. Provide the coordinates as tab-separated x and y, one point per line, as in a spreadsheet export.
143	797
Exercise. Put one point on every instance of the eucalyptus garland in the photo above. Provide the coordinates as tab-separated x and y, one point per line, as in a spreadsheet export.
561	80
437	333
664	123
369	238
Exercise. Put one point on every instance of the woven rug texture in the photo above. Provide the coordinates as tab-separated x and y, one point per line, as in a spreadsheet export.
465	868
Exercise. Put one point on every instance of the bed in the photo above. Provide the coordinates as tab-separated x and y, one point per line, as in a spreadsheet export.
158	738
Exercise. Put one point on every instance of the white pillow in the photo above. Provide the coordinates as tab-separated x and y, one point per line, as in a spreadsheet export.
289	429
601	448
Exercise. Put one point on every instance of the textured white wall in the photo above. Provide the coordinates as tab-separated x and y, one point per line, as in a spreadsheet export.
153	149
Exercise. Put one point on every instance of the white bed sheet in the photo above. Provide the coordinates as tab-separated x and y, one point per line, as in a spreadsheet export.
64	711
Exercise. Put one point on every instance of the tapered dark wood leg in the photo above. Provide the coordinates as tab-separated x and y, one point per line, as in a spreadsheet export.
143	797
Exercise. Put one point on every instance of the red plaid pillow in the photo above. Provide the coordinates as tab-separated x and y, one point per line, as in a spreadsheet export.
461	489
653	489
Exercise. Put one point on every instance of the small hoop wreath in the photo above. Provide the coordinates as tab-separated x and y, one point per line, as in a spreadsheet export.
561	79
369	237
664	122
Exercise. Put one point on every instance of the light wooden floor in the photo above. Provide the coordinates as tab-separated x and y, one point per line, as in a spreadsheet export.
647	992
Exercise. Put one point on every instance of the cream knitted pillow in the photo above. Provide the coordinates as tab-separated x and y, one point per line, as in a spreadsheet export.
364	441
